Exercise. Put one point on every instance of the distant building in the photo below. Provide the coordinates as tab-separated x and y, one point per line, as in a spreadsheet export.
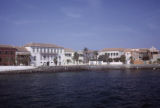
128	55
114	55
7	55
141	56
22	56
69	54
112	52
155	54
45	54
81	57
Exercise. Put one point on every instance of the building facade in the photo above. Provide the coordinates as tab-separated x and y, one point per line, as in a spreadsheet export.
155	55
128	55
81	57
114	55
69	54
45	54
141	56
22	56
7	55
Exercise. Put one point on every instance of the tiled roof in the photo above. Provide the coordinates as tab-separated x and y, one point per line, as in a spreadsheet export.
42	45
68	50
128	50
112	49
21	49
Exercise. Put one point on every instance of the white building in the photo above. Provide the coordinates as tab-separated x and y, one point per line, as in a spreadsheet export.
45	54
128	54
113	53
81	57
69	54
155	54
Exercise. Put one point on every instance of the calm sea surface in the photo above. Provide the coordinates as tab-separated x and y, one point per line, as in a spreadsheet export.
110	89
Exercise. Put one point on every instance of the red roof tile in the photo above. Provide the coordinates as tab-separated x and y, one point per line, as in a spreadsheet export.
42	45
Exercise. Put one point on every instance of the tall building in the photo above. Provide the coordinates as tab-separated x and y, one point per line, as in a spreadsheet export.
45	54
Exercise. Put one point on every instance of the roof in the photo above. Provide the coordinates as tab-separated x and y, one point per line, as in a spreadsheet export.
112	49
21	49
42	45
68	50
140	50
128	50
6	46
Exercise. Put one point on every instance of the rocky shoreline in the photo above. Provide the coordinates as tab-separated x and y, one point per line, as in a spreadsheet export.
45	69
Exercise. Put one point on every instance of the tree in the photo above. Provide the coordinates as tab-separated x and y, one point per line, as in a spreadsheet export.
110	60
158	61
76	57
104	58
131	60
116	59
85	52
123	59
55	61
95	55
68	61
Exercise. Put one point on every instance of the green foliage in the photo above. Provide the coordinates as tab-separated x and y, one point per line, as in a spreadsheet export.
131	60
123	59
76	56
55	61
68	61
158	61
86	55
103	58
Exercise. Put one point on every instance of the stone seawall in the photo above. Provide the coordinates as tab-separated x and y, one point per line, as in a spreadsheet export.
83	68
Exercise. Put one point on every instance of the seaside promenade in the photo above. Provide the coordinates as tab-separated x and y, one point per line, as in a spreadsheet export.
43	69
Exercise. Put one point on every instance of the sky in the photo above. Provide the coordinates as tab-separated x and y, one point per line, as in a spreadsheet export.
95	24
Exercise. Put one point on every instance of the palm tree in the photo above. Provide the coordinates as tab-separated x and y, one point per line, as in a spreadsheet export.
95	55
76	57
123	59
85	52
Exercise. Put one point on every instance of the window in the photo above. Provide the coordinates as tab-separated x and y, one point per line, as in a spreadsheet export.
37	49
40	49
0	59
0	52
68	55
33	49
6	52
